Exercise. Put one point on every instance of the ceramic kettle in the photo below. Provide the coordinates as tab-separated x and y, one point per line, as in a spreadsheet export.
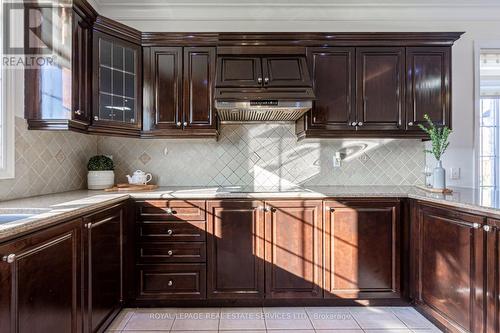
139	178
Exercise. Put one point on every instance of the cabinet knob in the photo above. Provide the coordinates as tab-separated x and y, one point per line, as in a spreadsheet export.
486	228
78	112
410	123
266	80
9	258
96	118
170	252
476	225
360	123
170	232
170	283
353	124
259	80
179	124
169	211
185	124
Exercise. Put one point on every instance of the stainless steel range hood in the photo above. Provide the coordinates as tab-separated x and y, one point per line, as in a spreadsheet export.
261	110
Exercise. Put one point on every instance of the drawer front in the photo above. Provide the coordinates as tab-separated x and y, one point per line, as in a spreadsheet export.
172	252
181	281
171	231
172	210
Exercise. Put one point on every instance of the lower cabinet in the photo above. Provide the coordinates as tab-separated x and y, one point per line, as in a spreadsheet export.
448	262
103	267
40	281
362	249
235	249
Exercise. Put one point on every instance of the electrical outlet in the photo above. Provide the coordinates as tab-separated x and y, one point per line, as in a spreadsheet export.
337	160
165	151
455	173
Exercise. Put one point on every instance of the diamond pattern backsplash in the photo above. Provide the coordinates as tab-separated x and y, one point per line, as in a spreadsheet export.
48	162
267	155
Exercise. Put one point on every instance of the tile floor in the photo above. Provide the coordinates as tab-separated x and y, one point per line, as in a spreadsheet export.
273	320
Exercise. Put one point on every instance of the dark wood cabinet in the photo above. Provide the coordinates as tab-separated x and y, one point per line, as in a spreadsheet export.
362	249
288	71
236	71
178	91
117	78
380	88
103	267
493	276
41	281
332	70
236	249
449	267
428	86
293	252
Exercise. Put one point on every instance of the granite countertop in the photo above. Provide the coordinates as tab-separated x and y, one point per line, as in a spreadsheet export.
51	208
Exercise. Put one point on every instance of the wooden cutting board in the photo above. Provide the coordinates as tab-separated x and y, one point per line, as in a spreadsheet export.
435	190
131	187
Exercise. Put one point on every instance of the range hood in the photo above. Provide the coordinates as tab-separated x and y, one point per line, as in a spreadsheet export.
261	110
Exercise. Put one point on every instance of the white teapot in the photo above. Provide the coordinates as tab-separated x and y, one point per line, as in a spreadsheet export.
139	178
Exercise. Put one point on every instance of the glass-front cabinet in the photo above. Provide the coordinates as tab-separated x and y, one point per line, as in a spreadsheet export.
117	75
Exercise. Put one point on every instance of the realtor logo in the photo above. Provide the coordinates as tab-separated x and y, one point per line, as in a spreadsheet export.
28	32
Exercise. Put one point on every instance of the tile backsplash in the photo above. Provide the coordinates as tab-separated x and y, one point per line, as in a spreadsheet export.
267	155
48	162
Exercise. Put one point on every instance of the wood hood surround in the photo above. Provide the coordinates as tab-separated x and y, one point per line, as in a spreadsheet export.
372	84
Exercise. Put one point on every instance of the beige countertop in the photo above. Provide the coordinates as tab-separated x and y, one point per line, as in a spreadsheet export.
51	208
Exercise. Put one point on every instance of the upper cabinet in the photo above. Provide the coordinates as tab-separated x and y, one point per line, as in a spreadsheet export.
178	91
428	85
116	85
262	71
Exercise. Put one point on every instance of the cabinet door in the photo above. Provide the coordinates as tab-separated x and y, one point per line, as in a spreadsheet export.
285	72
40	281
164	90
103	239
199	76
235	249
81	71
428	86
332	71
117	78
239	72
362	249
493	277
450	268
293	233
380	79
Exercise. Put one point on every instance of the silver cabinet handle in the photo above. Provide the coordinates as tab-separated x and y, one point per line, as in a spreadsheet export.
410	123
259	80
476	225
266	80
486	228
360	123
353	124
169	232
96	118
185	124
170	283
170	252
179	124
78	112
9	258
169	211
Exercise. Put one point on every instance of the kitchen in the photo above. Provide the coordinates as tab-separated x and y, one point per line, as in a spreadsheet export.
225	166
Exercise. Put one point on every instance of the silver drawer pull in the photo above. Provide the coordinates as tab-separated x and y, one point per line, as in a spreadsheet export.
169	211
170	232
170	252
486	228
476	225
170	283
9	258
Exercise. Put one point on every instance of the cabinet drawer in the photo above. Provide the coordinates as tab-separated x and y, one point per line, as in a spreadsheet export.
171	231
172	281
172	252
172	210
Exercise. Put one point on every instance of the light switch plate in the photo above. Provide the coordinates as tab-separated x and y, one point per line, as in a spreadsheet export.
454	173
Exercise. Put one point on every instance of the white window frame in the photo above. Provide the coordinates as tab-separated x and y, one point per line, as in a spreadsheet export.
7	107
478	46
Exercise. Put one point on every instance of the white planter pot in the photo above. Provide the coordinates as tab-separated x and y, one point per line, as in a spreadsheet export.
99	180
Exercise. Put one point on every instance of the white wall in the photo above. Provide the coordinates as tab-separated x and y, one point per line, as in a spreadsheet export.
480	20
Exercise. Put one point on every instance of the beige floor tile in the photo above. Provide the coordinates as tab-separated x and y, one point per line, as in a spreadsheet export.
389	331
332	318
411	318
121	320
290	331
287	319
339	331
241	319
197	319
151	320
377	319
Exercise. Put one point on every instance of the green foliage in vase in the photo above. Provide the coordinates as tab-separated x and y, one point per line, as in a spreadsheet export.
439	137
100	163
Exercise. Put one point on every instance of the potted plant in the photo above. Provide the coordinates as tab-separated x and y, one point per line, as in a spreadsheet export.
101	174
439	140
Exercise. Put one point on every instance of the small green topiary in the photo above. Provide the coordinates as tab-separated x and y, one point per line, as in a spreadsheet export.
100	163
439	137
